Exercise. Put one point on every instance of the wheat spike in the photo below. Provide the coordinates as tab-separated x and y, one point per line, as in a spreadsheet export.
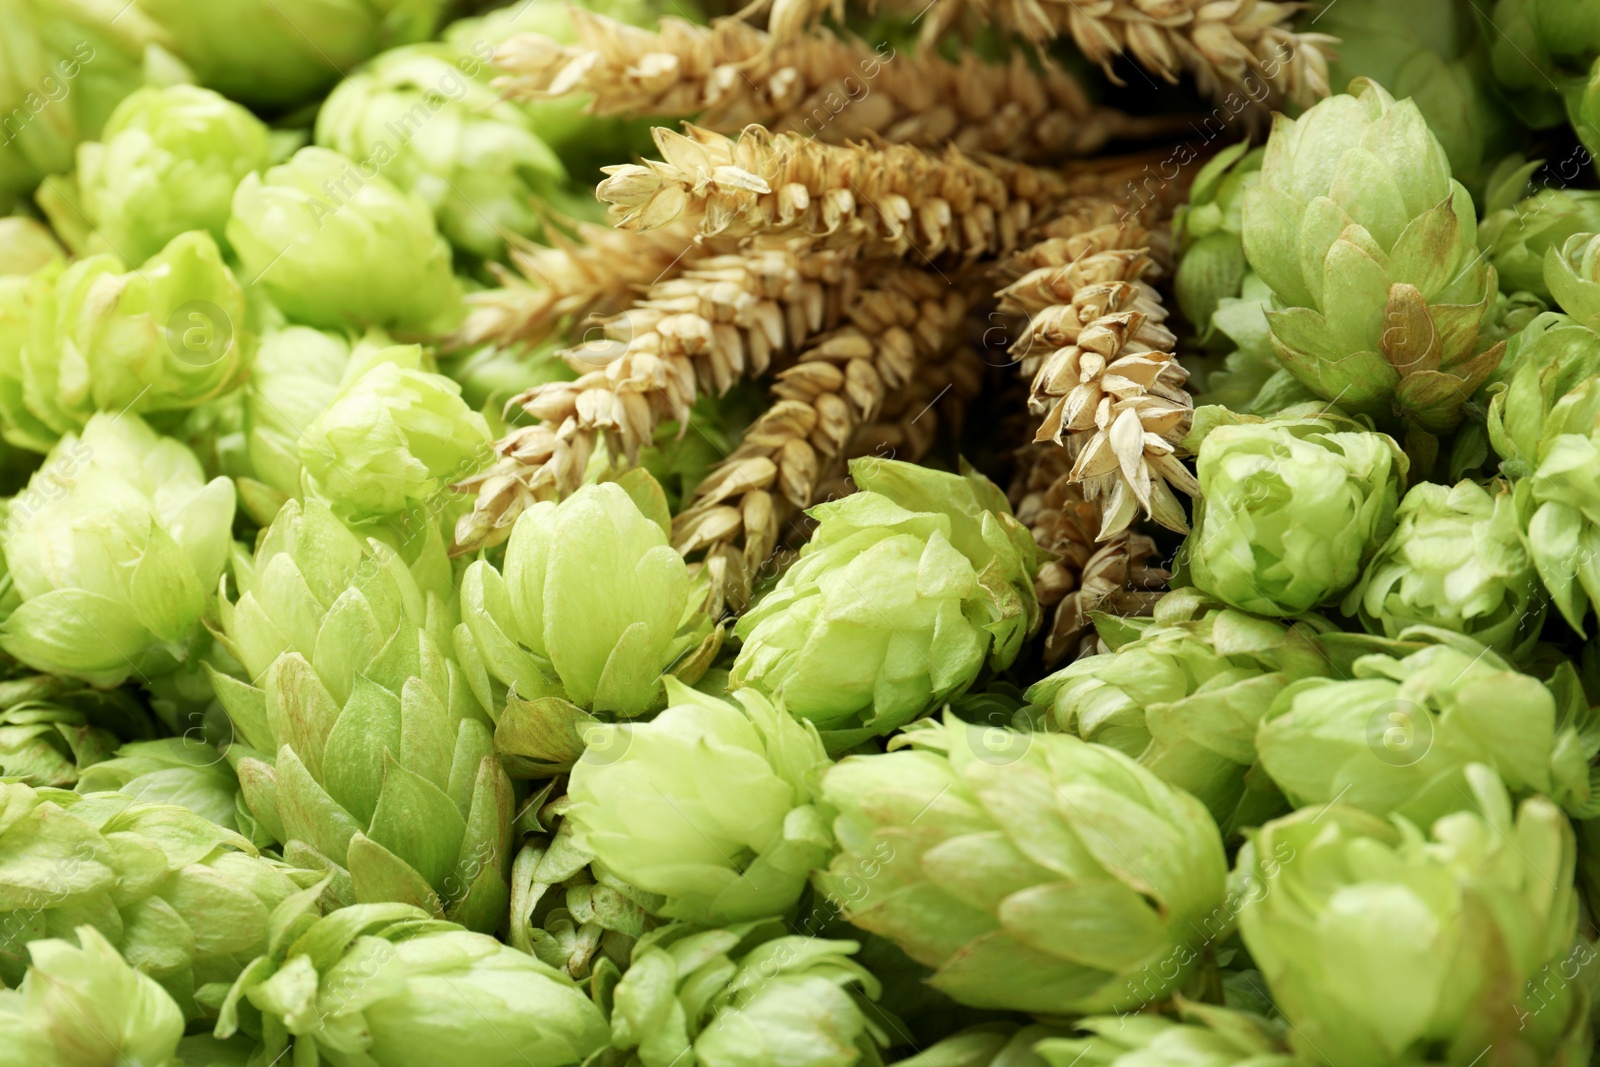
906	320
1118	577
1243	49
600	273
892	200
724	318
820	85
1099	355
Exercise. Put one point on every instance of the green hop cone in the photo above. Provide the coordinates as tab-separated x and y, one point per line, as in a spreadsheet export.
294	378
359	743
1212	266
183	899
112	552
744	997
388	984
1208	1036
1519	233
427	118
392	439
1183	692
1546	427
1572	273
371	757
1457	560
594	605
1548	358
1003	862
167	161
1371	251
155	340
1383	946
1290	508
1431	52
904	593
85	1007
65	67
52	729
279	53
711	804
336	244
1398	736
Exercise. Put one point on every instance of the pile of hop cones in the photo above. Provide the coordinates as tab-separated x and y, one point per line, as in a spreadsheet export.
848	221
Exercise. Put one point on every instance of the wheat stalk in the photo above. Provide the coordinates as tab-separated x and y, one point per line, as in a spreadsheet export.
891	200
820	85
903	323
724	318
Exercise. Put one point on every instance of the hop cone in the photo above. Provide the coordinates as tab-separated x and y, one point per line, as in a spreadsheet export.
156	339
295	377
335	244
113	550
1545	425
392	439
183	899
1182	693
1383	946
65	66
1006	867
387	984
1519	233
279	53
1572	274
85	1007
167	162
1371	251
710	804
743	997
1457	560
425	114
1290	509
1399	735
594	605
904	593
372	759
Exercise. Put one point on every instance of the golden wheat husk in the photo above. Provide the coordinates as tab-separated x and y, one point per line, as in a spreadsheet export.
725	318
890	200
894	330
1104	378
835	89
1245	53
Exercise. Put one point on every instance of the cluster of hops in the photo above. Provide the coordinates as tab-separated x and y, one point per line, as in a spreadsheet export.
1050	534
